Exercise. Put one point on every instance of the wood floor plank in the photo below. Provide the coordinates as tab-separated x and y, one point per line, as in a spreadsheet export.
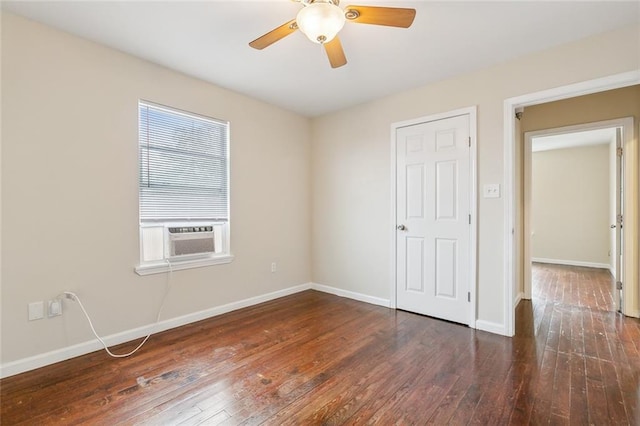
524	397
449	403
467	406
561	397
547	374
315	358
578	386
615	402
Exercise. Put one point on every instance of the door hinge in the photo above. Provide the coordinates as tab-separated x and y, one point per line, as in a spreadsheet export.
468	296
618	285
619	218
469	219
469	141
619	152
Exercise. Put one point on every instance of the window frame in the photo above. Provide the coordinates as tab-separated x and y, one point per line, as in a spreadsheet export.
146	267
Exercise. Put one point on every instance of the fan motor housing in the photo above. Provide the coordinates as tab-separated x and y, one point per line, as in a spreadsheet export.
307	2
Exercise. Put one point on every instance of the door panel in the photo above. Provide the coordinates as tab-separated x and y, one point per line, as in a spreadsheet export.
446	280
446	190
415	271
432	207
415	191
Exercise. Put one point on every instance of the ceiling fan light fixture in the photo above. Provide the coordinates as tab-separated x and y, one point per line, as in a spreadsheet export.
320	21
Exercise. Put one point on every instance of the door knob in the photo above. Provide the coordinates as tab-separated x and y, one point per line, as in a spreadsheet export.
401	228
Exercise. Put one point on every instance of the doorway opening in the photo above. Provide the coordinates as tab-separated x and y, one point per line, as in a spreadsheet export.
513	230
573	203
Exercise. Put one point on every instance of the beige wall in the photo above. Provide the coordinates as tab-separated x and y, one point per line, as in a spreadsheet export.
70	197
351	164
570	205
601	106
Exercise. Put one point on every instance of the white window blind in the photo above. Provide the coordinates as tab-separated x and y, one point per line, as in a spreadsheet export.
183	165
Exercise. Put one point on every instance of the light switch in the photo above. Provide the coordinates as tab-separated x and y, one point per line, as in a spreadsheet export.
491	190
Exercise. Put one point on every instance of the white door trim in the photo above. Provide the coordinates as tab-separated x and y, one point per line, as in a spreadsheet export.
473	202
578	89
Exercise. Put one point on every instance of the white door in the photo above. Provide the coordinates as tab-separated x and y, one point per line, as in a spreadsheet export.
433	218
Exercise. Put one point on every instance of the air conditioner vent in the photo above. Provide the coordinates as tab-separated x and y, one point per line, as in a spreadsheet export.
185	229
190	240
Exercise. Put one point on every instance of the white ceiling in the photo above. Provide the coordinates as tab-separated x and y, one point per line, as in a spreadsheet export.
572	140
209	40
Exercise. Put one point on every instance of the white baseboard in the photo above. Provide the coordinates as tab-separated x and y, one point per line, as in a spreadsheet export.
41	360
571	263
519	298
491	327
635	314
351	295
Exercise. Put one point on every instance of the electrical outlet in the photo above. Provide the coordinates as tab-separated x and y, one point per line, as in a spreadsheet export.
36	311
55	307
274	267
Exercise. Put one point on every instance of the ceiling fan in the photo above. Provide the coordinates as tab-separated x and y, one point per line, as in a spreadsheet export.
321	20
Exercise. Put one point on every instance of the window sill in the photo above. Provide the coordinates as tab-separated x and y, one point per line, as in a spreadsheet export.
161	267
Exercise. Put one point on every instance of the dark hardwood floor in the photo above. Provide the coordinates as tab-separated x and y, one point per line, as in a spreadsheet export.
314	358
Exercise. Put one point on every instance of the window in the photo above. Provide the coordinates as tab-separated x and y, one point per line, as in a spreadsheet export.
184	189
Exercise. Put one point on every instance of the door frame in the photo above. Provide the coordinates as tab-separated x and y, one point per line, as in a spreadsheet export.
473	202
627	139
511	248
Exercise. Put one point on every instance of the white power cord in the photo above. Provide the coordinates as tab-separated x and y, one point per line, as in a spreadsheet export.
71	295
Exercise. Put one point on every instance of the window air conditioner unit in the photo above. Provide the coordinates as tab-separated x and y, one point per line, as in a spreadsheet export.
189	240
181	240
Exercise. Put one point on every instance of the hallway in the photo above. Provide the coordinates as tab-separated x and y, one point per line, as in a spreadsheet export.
574	286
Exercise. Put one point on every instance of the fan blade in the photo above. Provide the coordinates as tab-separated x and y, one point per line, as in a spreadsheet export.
389	16
335	53
274	35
